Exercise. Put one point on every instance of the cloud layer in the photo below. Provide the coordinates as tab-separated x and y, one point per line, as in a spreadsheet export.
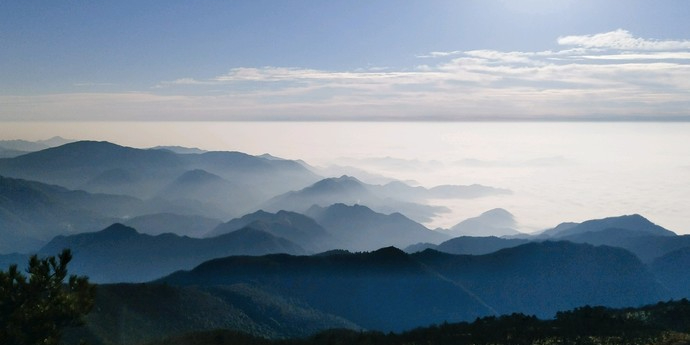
605	76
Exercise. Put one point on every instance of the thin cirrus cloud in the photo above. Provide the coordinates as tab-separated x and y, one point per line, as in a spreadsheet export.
605	76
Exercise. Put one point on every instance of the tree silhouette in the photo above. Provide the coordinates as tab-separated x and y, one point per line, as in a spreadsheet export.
36	308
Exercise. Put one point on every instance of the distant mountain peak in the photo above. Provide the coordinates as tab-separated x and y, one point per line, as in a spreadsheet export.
336	183
118	230
633	222
494	222
389	252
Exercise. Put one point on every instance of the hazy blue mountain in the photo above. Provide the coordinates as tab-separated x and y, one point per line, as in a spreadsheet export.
137	313
31	146
633	222
215	196
76	165
384	290
180	149
420	247
398	189
183	225
360	174
10	153
21	260
647	247
110	168
31	213
349	190
542	278
293	226
478	245
360	228
495	222
267	177
124	180
672	272
121	254
390	290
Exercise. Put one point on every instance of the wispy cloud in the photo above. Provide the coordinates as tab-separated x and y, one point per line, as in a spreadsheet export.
622	40
440	54
612	75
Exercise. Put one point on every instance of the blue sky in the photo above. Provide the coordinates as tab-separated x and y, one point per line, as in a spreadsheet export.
344	60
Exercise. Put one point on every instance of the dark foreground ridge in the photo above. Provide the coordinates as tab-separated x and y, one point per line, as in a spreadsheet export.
662	323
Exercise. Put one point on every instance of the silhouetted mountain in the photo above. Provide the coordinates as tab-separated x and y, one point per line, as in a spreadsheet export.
121	254
542	278
633	222
385	289
32	213
389	290
359	228
292	226
420	247
183	225
136	313
672	272
663	323
496	222
478	245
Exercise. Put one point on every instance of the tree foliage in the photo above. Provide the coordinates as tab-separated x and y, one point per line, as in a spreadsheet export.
37	307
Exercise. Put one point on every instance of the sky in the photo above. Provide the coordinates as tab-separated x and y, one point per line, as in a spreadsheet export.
344	60
282	77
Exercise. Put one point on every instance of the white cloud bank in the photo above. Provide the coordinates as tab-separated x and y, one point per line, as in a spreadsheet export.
605	76
622	40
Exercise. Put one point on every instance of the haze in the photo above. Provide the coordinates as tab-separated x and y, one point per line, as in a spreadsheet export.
556	171
293	71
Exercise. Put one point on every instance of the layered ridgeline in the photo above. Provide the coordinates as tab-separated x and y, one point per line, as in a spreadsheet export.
283	295
84	186
389	198
634	233
32	213
102	167
124	254
120	253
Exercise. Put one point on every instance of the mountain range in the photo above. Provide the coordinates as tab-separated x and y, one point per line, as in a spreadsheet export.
103	167
359	228
121	254
282	295
119	183
389	198
185	240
